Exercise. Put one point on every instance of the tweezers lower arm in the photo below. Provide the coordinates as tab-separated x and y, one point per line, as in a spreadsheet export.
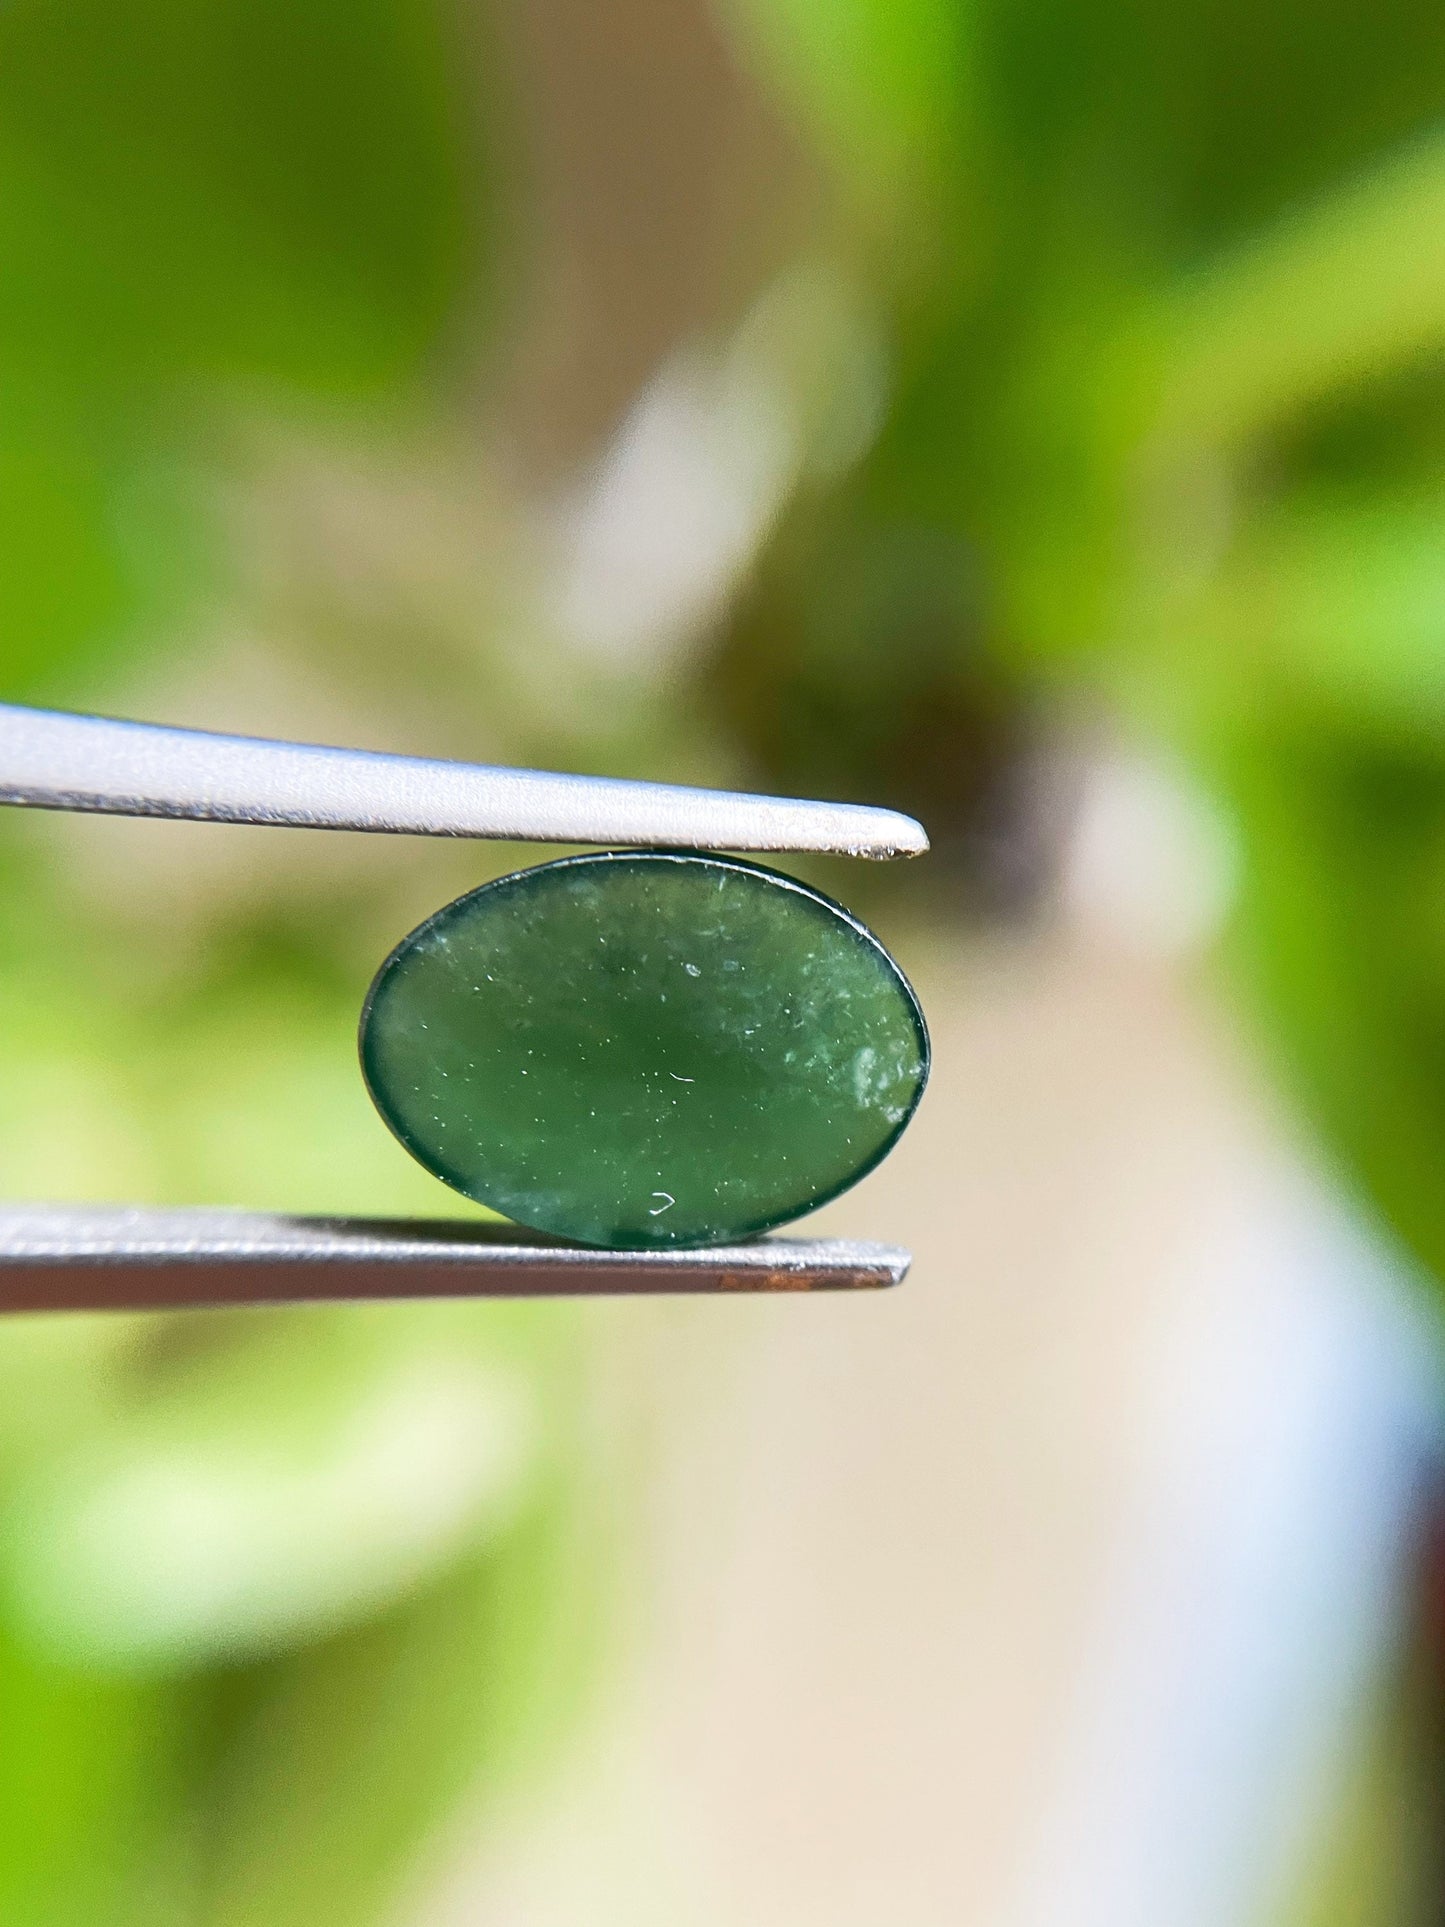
121	1258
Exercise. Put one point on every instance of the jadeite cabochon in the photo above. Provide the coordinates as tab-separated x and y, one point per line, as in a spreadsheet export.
637	1049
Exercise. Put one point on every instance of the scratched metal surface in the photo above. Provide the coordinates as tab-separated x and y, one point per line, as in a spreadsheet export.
50	760
116	1257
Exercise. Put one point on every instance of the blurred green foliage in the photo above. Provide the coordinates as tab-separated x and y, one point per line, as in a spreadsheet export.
274	1591
233	197
1168	434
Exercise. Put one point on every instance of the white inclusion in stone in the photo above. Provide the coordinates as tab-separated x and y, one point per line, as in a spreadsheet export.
863	1073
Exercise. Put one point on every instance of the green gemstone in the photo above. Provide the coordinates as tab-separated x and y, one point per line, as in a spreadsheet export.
641	1049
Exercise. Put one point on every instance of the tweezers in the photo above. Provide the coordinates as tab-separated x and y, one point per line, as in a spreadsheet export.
89	1257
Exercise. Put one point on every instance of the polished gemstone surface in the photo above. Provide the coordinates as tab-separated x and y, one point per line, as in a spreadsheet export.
643	1049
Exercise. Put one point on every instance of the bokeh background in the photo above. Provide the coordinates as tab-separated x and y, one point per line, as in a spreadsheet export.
1029	413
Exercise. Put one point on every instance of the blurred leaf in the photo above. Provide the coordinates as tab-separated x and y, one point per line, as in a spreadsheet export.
1340	938
882	84
247	1509
1333	610
334	1769
1337	296
91	1772
200	207
237	190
